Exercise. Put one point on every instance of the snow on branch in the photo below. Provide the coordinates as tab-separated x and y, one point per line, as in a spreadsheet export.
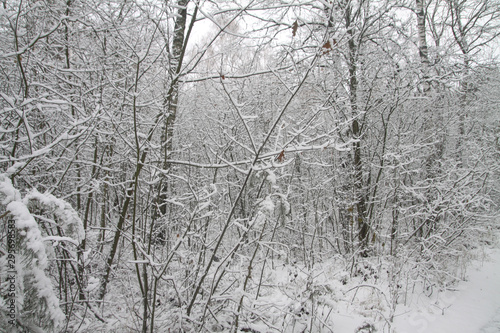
39	298
67	217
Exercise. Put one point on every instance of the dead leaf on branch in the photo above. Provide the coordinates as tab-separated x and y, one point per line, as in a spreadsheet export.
327	47
281	157
295	26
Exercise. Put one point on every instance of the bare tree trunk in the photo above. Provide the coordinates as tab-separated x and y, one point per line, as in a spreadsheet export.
356	127
142	158
424	59
170	103
422	44
460	36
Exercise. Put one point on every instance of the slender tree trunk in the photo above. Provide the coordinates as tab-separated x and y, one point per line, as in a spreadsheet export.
424	60
422	44
170	103
86	218
121	222
356	127
460	36
140	163
430	119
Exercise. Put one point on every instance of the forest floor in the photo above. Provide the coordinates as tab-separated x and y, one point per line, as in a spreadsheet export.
362	303
474	307
356	302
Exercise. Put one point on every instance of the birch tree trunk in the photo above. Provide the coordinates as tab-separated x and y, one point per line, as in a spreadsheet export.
422	44
170	103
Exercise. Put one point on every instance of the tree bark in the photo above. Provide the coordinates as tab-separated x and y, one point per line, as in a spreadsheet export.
422	44
170	103
356	128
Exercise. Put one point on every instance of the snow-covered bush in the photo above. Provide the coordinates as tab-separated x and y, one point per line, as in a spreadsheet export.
36	303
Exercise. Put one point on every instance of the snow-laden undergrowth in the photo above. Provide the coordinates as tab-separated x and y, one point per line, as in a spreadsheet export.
382	294
29	299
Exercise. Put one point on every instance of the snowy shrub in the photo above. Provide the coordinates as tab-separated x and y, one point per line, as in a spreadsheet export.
366	328
65	216
37	305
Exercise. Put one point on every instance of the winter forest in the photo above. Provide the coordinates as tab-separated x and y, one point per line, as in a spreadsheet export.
243	165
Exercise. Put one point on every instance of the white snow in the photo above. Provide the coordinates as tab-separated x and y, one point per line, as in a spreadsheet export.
92	285
45	290
28	227
346	304
258	220
474	308
32	238
267	205
68	217
14	168
8	192
271	177
58	239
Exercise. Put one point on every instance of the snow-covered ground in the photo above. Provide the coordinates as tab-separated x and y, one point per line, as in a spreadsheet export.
343	302
494	325
473	308
350	305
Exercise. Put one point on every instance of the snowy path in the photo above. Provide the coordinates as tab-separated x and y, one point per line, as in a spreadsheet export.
475	308
494	325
